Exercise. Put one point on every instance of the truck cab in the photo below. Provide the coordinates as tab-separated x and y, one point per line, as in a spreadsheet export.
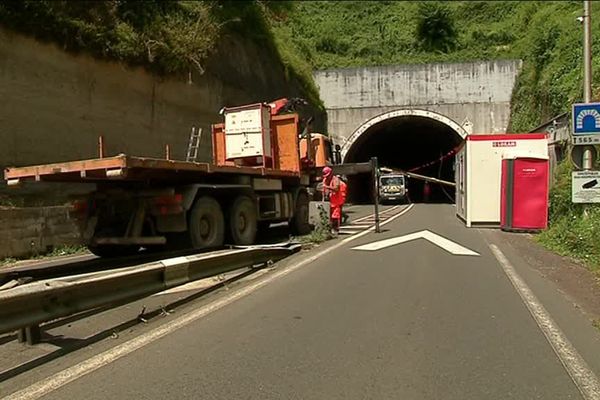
321	151
392	188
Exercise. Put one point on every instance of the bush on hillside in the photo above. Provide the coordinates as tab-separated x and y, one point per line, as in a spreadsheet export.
574	229
544	34
435	27
166	37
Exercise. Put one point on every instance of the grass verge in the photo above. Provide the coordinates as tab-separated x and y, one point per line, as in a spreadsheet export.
60	251
321	232
574	229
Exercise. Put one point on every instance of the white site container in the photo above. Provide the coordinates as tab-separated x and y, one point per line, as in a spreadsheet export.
478	172
248	132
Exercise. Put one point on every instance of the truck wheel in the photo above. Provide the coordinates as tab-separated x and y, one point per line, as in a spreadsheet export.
243	221
299	223
207	225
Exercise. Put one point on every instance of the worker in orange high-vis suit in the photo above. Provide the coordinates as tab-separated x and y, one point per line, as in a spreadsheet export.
335	189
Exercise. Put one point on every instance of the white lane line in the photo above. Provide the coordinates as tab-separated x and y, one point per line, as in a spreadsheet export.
70	374
581	374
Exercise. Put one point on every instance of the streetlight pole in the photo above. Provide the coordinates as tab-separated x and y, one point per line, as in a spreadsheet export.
588	151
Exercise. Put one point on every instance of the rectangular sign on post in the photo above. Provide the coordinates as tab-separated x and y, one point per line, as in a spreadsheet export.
585	187
586	123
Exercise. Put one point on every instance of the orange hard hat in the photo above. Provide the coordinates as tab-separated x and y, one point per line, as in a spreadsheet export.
327	171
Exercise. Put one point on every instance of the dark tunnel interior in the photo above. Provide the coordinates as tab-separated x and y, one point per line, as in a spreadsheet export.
409	143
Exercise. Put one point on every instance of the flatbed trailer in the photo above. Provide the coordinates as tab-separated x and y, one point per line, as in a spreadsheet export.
132	169
151	202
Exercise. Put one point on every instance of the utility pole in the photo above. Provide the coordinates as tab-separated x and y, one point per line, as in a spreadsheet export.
588	151
375	177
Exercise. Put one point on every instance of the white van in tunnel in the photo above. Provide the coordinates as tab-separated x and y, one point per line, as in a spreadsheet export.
392	188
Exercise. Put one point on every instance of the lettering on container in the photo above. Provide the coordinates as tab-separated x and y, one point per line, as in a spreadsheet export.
504	143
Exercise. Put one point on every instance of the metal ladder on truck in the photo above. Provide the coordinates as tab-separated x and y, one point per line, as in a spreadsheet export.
194	144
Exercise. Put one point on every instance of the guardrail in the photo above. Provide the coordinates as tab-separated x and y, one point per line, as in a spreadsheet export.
25	307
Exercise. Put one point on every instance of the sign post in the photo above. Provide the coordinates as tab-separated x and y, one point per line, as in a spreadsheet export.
375	175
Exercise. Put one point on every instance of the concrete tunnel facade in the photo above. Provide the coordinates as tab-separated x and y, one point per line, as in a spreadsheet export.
413	140
412	114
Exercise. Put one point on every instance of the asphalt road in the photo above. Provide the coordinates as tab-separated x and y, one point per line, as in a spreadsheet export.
410	321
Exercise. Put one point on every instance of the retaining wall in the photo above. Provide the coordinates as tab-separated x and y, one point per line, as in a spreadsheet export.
35	230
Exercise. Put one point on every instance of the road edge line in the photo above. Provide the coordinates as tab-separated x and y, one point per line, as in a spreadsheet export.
581	374
59	379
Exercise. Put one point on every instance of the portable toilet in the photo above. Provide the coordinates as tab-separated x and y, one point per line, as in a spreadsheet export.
524	194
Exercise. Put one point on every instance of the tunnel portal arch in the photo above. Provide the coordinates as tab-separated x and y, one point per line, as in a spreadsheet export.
414	140
366	126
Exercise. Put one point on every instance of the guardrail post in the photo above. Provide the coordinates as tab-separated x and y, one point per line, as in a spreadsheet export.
30	334
375	175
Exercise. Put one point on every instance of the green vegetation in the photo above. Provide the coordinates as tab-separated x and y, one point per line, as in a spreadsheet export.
435	27
574	229
166	37
544	34
179	36
60	251
322	231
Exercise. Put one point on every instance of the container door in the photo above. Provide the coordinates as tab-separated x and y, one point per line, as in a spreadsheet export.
530	194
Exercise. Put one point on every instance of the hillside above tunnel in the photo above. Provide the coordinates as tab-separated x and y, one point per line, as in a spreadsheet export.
544	34
414	117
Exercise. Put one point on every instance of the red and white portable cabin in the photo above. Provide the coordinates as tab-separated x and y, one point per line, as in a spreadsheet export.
478	173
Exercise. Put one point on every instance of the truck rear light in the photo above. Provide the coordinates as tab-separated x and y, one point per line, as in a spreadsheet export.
79	206
169	200
167	205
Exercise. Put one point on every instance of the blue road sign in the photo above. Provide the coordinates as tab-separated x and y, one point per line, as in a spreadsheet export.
586	119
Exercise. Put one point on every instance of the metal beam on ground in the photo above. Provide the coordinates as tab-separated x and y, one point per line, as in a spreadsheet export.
352	168
419	176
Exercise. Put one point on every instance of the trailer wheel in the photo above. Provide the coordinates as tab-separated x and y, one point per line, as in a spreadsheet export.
299	223
207	224
243	221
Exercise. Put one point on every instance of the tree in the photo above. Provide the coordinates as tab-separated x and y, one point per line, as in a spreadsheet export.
435	27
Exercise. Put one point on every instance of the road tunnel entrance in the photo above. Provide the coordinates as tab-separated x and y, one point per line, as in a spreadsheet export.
411	140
